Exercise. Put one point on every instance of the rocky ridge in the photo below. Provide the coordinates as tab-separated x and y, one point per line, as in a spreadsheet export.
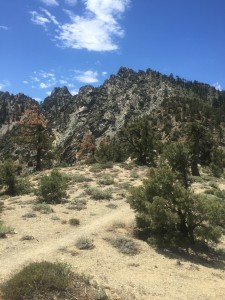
100	111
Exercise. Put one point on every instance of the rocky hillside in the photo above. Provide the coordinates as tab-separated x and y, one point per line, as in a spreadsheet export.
102	111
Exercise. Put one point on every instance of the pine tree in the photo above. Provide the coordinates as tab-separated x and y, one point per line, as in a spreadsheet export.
33	131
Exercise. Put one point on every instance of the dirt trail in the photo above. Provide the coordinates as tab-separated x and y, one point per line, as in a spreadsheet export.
45	251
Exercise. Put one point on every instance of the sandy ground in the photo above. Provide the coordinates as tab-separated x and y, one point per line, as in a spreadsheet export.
147	275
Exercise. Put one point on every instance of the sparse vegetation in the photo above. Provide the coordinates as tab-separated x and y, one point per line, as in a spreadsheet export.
78	204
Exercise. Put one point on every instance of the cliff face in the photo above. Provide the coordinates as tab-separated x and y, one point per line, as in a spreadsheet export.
11	109
102	111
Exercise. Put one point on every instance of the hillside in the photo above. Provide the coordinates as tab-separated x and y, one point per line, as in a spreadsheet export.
149	273
101	112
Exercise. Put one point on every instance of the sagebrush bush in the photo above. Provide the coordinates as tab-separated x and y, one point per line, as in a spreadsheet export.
43	208
52	188
84	243
99	194
80	178
8	177
124	245
23	186
106	180
74	222
36	280
4	230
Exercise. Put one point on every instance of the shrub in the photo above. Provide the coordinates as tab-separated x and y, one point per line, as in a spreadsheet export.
80	178
52	188
8	177
23	186
84	243
78	204
4	230
106	180
43	208
98	194
124	245
74	222
168	211
37	279
29	215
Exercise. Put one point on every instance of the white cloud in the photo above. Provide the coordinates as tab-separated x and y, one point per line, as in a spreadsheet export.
25	81
74	92
96	30
71	2
4	84
39	19
104	73
50	2
50	16
3	27
217	86
48	93
87	76
63	81
44	85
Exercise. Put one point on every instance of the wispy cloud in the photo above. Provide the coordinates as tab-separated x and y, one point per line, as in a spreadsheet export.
71	2
4	27
38	19
4	84
50	2
50	16
96	30
73	79
218	86
87	76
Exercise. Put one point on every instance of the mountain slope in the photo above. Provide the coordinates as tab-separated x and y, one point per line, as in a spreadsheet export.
104	110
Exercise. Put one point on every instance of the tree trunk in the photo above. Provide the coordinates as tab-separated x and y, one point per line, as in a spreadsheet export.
194	166
38	160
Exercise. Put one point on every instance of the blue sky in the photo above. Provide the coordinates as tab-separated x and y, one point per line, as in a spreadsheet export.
52	43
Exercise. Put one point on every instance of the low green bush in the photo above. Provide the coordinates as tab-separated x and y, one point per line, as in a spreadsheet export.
106	180
43	208
124	245
74	222
37	280
4	230
84	243
52	188
98	194
80	178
